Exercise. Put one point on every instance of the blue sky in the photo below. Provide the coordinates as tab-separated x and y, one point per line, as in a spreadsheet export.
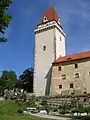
17	54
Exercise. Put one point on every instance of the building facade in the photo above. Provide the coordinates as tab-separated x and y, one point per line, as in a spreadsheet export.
49	45
71	75
56	73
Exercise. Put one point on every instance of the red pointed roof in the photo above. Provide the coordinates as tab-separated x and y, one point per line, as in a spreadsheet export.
50	14
72	57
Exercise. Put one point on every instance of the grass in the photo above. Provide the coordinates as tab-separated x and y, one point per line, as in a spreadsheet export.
8	111
20	117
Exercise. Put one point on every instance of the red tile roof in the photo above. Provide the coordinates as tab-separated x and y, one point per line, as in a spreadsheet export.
76	56
50	14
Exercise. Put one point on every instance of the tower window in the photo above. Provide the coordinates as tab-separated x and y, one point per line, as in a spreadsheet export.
60	38
76	65
45	19
60	86
59	68
44	48
77	75
63	77
71	85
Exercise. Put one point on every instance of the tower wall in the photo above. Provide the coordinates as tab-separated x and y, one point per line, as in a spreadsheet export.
60	43
48	48
43	60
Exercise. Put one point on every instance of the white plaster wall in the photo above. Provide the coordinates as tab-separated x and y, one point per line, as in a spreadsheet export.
60	45
43	59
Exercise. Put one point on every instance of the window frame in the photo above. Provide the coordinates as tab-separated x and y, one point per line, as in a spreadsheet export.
60	86
44	48
59	68
77	75
60	38
76	65
63	77
71	85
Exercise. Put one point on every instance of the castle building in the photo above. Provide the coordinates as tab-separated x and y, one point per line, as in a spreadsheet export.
71	75
56	73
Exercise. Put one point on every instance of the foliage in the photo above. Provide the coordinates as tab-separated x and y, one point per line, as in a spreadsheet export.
8	80
26	80
87	109
20	111
44	102
4	17
8	75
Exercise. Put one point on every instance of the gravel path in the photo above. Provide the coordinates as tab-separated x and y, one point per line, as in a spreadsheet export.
50	117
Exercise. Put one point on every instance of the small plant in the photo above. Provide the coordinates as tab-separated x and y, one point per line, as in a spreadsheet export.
20	111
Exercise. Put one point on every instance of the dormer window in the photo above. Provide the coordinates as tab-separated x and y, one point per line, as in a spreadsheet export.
45	19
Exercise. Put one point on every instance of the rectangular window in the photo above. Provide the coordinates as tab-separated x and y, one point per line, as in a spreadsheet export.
44	48
60	38
59	68
60	86
85	92
71	85
76	65
63	77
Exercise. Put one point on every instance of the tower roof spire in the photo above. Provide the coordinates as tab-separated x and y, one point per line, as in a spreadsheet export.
49	15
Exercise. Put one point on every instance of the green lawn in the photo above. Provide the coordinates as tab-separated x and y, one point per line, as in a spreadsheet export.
8	111
20	117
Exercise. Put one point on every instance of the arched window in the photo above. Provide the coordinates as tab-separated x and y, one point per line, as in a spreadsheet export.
77	75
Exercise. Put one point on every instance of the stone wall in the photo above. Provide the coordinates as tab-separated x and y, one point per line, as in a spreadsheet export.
81	84
60	100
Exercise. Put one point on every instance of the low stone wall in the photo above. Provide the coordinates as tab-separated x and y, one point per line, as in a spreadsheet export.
59	100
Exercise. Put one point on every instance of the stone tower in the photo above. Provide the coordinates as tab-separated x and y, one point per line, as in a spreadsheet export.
49	45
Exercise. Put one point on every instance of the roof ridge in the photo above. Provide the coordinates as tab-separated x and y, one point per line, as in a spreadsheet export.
75	56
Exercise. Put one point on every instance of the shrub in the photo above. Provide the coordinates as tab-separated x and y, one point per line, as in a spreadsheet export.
20	111
44	102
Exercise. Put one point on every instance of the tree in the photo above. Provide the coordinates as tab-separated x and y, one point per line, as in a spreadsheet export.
27	80
4	17
87	109
9	79
45	105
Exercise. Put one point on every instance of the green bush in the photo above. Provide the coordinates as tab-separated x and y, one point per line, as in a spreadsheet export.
20	111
